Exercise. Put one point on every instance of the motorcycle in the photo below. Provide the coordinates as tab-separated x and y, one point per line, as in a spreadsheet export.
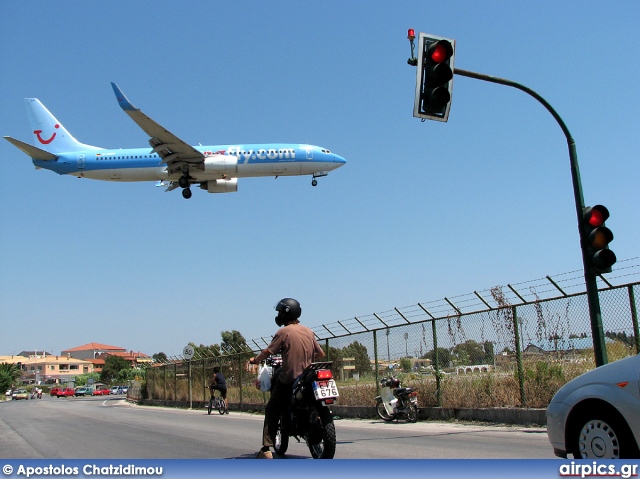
36	393
309	416
396	402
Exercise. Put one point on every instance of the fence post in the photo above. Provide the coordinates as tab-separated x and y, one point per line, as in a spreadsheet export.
634	318
240	368
375	362
516	333
175	381
164	386
436	362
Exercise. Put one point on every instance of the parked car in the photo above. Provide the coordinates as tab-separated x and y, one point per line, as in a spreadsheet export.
115	390
9	393
20	394
66	392
100	392
597	414
54	391
81	391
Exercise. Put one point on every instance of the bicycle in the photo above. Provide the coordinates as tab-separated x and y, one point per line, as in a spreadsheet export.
216	402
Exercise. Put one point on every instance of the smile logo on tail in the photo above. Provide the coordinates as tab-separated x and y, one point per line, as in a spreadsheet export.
43	141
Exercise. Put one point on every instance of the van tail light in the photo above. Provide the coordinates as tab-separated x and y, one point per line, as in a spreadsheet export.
324	374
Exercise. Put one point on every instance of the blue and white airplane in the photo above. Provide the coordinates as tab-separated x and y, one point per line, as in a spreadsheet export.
170	161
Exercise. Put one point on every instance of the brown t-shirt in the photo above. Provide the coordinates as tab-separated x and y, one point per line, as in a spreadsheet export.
298	346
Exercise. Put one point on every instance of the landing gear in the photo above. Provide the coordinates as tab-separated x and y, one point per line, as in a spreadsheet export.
319	174
186	193
184	181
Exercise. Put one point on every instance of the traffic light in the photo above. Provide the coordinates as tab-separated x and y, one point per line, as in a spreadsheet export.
434	80
598	237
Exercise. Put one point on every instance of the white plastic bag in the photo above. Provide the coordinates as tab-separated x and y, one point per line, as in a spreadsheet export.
264	379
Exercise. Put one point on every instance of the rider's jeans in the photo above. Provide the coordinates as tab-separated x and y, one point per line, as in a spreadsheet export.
277	404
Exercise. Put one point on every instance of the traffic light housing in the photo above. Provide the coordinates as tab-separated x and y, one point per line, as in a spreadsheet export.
434	77
598	237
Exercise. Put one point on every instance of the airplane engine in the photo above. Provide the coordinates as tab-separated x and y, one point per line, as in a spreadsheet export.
221	186
221	165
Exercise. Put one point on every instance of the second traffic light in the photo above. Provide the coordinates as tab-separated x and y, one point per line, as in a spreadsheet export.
434	80
598	237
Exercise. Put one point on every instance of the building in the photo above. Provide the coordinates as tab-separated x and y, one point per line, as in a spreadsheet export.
92	351
135	359
53	369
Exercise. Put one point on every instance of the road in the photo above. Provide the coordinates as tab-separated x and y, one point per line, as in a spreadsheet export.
103	428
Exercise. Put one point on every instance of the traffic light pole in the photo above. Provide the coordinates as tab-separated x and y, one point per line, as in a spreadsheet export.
593	299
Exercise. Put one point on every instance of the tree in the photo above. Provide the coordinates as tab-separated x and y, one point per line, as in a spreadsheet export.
444	357
489	352
405	365
233	342
112	367
9	375
469	352
160	358
359	352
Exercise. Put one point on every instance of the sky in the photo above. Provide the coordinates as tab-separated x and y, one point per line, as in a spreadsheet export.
421	210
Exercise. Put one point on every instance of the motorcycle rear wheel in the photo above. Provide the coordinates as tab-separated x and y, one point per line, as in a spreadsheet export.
412	413
281	443
382	412
326	447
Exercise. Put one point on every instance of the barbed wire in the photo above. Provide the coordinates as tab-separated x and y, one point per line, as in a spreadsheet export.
532	291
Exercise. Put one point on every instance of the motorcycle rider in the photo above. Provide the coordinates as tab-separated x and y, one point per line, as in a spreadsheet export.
298	346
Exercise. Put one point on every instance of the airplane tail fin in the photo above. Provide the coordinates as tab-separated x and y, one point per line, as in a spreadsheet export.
48	132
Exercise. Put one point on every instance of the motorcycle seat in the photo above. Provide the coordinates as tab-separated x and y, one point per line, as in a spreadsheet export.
400	391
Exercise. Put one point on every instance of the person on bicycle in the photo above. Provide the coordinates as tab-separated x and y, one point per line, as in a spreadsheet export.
218	382
298	346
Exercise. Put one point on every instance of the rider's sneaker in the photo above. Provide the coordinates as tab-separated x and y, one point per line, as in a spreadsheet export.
264	455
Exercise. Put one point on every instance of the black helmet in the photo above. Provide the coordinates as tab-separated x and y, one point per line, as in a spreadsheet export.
288	310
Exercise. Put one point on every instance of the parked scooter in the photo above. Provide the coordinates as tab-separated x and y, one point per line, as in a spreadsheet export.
396	402
309	416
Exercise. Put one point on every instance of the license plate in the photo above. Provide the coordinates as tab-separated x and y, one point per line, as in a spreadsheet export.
325	389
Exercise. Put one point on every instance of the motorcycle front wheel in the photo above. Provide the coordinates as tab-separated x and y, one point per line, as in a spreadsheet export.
281	443
382	412
322	442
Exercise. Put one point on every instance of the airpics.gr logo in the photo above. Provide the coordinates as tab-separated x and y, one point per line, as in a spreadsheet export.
42	140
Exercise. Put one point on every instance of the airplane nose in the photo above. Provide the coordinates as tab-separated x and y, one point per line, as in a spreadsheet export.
338	159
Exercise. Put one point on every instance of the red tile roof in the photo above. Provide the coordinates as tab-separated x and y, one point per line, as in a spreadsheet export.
94	346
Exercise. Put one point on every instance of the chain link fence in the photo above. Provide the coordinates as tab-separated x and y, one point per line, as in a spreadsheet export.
504	347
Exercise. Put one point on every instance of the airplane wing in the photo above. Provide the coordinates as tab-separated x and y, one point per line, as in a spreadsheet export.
173	151
32	151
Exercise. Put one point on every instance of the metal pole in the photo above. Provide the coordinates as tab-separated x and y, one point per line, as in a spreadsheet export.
375	360
516	334
595	315
190	391
436	362
634	318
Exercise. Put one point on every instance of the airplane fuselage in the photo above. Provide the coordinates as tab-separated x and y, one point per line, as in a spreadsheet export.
221	161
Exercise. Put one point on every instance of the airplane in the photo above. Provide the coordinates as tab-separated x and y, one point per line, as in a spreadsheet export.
170	161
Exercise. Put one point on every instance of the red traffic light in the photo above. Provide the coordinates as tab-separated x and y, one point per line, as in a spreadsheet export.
440	52
596	215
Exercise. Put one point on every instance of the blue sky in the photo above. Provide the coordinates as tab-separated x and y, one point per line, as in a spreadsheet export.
422	210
